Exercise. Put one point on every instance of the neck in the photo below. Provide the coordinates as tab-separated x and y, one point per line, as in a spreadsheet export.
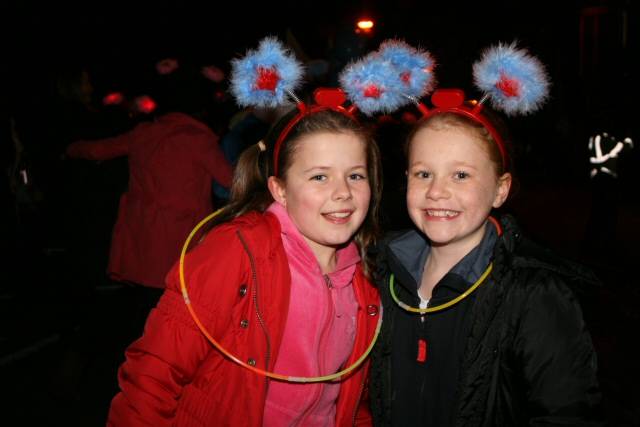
325	255
327	260
448	255
442	258
434	270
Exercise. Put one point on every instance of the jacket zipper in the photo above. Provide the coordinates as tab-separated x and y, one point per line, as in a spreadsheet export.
254	296
355	409
364	378
327	281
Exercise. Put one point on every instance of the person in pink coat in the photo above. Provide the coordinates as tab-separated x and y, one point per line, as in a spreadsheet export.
173	161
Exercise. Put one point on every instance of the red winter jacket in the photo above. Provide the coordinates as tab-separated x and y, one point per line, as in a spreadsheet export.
238	282
172	162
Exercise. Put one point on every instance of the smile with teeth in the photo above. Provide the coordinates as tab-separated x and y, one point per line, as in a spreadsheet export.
338	217
442	213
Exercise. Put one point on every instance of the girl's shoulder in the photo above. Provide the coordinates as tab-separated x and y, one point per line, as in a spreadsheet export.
393	236
224	249
519	252
384	256
534	269
260	231
536	258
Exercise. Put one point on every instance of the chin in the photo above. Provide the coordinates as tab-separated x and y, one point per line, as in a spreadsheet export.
338	240
437	235
439	240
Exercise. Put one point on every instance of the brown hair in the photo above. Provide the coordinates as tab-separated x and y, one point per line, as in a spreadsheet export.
249	191
449	120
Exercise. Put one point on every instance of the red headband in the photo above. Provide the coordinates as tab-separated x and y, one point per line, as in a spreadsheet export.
325	99
452	101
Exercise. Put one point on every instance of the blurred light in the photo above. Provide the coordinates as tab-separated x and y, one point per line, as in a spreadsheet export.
145	104
113	98
365	24
219	96
213	73
167	66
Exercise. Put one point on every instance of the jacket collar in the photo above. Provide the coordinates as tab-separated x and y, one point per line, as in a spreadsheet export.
410	250
347	257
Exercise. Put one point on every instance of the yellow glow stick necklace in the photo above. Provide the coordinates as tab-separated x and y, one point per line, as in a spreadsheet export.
259	371
457	299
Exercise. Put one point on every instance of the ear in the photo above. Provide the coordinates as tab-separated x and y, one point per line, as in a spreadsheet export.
504	185
277	190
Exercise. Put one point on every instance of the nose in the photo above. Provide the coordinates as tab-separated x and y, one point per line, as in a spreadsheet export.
342	190
438	189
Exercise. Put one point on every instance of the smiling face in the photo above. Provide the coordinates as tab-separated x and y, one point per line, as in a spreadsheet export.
452	186
325	189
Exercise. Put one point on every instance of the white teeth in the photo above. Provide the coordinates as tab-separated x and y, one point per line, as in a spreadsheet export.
442	213
339	214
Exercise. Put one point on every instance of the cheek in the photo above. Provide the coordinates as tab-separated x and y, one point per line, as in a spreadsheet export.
308	201
481	198
302	199
364	195
413	196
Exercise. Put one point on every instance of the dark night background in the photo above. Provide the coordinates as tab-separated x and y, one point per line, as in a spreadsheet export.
62	336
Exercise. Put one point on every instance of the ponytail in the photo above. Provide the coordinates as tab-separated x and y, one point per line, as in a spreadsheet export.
249	191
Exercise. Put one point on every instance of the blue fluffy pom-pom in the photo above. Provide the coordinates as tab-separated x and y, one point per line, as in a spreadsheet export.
516	81
265	76
373	85
415	67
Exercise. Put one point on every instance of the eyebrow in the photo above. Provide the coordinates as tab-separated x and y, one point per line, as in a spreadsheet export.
455	164
323	168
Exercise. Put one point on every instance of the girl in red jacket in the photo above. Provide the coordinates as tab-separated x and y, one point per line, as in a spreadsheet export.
280	282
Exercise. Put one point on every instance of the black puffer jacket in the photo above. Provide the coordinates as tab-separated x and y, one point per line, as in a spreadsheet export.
528	359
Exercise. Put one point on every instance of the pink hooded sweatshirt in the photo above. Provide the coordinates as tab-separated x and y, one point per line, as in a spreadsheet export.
319	333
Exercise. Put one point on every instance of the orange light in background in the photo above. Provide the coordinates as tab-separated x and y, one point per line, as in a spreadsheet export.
364	26
113	98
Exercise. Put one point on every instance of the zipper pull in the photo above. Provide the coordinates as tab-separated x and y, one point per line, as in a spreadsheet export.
422	351
327	281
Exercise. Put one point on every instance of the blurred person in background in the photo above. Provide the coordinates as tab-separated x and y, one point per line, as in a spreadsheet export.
173	161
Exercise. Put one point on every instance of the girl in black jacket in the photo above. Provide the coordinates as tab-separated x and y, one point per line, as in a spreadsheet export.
480	326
